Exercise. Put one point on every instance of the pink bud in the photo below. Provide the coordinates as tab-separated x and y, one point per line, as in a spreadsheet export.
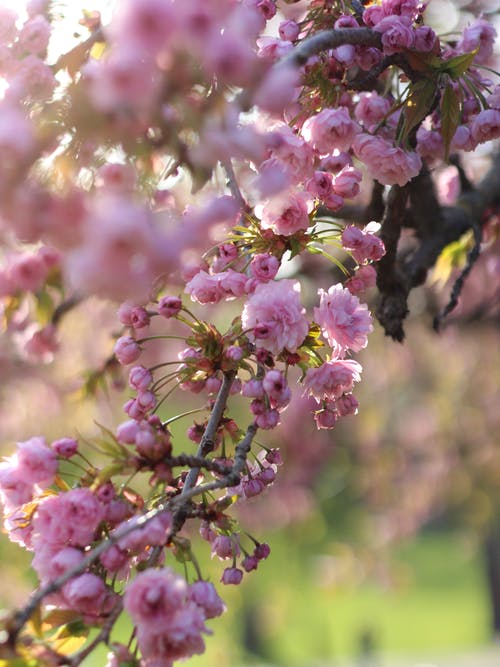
65	447
140	378
127	350
232	575
169	306
262	551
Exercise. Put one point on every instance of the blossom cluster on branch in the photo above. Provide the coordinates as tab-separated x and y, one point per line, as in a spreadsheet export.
274	133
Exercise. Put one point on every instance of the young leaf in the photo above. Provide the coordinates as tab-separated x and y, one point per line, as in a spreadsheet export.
418	104
450	116
458	65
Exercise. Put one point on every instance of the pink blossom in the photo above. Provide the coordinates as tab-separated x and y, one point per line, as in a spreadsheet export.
344	321
28	272
180	638
331	129
397	34
8	30
371	109
144	24
126	79
203	593
127	350
320	185
37	462
50	563
153	597
407	8
291	152
364	278
34	35
286	215
486	126
272	48
69	519
479	35
85	593
373	14
116	176
362	243
289	30
43	343
330	380
425	39
204	288
14	489
389	164
278	89
277	305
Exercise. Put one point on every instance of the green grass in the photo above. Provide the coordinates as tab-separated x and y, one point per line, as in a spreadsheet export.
435	602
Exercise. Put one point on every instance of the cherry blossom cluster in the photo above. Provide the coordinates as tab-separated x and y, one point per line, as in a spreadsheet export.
277	136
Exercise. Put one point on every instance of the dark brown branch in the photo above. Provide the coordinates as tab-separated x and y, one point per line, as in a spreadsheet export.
331	39
392	308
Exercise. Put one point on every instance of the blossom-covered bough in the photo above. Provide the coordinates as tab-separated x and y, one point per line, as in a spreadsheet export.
278	135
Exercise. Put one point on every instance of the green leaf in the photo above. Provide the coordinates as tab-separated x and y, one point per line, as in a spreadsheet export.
450	116
418	105
57	617
458	65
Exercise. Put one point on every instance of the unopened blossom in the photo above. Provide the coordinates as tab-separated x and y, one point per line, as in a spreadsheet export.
169	306
276	306
325	418
289	30
65	447
127	350
364	278
264	267
331	129
140	378
344	321
232	575
347	405
346	182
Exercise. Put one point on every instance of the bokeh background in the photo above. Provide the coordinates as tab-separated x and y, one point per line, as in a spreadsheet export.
385	532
